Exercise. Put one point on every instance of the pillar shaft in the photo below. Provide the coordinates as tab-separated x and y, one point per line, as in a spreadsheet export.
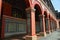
54	24
44	25
57	24
31	24
0	6
48	24
51	24
31	20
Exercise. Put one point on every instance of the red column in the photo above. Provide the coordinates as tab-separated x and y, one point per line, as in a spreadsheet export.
54	24
57	24
32	33
42	26
49	24
31	18
0	6
43	16
33	23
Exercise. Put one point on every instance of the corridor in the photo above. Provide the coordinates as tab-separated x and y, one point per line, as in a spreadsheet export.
53	36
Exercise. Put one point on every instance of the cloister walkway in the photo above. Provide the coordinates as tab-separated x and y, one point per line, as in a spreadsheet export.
53	36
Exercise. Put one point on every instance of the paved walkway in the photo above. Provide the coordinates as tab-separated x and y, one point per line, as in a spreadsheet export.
53	36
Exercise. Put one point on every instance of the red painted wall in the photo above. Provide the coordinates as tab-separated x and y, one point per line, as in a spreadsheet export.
0	6
7	9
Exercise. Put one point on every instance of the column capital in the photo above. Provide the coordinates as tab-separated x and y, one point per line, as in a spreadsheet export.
29	9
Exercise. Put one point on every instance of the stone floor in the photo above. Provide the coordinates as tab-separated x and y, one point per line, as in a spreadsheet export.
53	36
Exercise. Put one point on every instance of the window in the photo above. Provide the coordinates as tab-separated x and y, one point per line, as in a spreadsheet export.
13	26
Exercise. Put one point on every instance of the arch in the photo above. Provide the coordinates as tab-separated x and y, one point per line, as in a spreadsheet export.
37	7
38	12
38	4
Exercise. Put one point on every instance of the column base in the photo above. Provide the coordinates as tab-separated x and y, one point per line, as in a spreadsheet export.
49	32
52	30
43	34
31	37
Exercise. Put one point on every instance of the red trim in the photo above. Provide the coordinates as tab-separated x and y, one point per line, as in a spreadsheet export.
39	5
0	6
2	33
